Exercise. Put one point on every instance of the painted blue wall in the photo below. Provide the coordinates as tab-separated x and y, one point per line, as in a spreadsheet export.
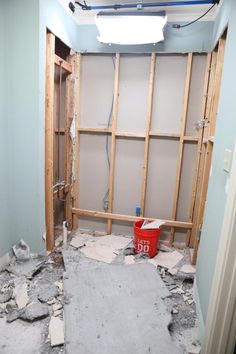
24	147
216	197
5	235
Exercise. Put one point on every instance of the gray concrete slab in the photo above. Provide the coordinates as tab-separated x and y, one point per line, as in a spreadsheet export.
115	309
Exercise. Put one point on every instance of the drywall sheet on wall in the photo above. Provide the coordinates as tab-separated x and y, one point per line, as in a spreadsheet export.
97	81
161	178
133	92
128	176
168	93
186	181
196	93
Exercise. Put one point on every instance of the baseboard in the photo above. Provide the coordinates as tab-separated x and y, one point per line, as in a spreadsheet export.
199	312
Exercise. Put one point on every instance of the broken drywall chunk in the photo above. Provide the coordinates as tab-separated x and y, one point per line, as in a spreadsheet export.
47	292
5	294
56	331
12	313
57	307
194	350
162	247
190	301
59	284
129	260
185	298
105	247
173	271
177	291
21	295
77	242
21	251
57	313
34	311
166	259
188	268
152	225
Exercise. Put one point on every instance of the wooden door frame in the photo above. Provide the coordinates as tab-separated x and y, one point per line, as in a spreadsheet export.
220	330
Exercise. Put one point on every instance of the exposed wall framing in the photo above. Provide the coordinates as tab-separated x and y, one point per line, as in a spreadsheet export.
70	190
59	112
149	133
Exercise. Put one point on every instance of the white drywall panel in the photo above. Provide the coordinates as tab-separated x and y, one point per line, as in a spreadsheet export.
133	92
196	93
93	177
168	93
161	178
128	175
186	181
97	81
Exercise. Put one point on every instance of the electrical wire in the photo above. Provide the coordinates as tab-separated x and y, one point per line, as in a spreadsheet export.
197	19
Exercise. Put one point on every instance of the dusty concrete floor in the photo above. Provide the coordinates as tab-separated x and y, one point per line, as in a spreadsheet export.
32	337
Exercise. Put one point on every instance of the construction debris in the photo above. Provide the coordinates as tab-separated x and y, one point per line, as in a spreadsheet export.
168	260
77	242
6	292
105	248
129	260
56	331
21	295
47	292
188	268
34	311
21	251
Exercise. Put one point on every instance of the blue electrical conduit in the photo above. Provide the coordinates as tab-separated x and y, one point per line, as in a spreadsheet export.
147	4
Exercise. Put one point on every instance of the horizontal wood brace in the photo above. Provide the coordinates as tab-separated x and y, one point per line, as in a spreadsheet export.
129	218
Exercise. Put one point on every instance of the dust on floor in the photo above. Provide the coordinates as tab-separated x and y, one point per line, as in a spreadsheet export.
34	303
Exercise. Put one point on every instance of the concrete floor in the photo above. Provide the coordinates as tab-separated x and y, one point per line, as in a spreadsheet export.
114	308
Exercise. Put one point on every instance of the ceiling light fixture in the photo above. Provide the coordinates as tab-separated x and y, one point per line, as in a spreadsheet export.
130	28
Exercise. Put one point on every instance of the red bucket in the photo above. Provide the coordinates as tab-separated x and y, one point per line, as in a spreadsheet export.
145	241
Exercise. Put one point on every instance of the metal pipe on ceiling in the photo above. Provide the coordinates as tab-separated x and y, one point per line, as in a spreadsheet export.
140	5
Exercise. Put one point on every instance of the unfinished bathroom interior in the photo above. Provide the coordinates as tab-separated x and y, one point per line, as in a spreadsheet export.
95	138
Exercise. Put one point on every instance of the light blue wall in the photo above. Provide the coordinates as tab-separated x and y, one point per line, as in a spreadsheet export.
24	143
221	21
5	236
216	197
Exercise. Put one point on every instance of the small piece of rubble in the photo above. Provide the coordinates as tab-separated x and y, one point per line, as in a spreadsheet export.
6	293
48	292
57	307
177	291
166	259
12	313
173	271
56	331
194	350
34	311
174	311
59	284
21	295
77	242
21	251
188	268
129	260
57	313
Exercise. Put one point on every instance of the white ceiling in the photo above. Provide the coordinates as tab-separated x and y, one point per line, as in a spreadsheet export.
174	13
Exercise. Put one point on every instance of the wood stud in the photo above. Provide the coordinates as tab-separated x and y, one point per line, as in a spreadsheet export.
147	137
113	140
77	68
129	218
200	141
49	103
206	161
181	146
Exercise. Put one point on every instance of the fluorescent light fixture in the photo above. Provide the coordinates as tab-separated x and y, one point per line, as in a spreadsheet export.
129	28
